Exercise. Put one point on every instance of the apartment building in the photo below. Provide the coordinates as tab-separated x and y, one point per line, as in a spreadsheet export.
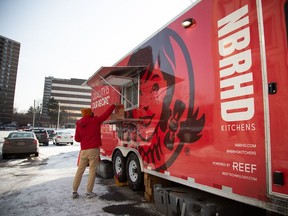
70	94
9	57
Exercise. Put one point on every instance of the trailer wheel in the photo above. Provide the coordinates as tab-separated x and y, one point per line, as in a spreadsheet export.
119	167
134	173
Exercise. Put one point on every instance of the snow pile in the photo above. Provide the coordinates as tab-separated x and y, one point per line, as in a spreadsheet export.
45	186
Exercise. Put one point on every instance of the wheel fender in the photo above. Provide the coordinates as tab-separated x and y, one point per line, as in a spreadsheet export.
126	151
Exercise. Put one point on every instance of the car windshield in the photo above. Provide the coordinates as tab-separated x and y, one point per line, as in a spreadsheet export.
20	135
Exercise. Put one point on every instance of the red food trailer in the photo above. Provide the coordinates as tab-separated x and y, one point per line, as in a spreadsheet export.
205	103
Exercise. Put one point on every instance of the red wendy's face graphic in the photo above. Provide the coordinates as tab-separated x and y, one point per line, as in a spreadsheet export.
168	118
153	90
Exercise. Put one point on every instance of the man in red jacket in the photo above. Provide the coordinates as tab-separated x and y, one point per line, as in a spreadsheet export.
88	133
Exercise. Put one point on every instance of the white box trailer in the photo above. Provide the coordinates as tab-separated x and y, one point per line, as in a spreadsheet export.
205	103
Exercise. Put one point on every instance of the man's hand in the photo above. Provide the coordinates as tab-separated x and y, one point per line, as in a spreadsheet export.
118	106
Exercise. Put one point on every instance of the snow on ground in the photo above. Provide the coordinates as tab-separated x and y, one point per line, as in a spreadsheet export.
43	186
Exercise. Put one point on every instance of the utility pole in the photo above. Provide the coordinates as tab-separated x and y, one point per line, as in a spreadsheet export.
33	115
58	115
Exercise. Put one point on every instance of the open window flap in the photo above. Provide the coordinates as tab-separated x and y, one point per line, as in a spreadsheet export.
114	76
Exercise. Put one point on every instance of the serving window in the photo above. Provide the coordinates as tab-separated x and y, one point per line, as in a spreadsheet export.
122	79
130	93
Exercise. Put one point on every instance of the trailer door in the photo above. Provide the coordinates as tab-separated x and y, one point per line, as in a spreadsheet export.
276	91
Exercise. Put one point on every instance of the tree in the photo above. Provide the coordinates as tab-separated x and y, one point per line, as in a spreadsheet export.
22	119
53	107
30	114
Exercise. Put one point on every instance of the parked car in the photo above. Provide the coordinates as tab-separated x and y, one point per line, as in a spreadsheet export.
42	135
63	137
20	142
51	132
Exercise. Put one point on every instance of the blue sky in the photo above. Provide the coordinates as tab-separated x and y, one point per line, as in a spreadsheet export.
73	38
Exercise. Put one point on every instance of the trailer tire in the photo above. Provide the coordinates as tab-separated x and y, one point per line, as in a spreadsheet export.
119	167
134	173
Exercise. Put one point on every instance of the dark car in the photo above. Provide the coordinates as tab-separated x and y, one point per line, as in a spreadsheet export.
51	133
20	142
42	136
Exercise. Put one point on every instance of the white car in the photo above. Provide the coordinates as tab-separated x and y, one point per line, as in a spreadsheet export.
63	137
